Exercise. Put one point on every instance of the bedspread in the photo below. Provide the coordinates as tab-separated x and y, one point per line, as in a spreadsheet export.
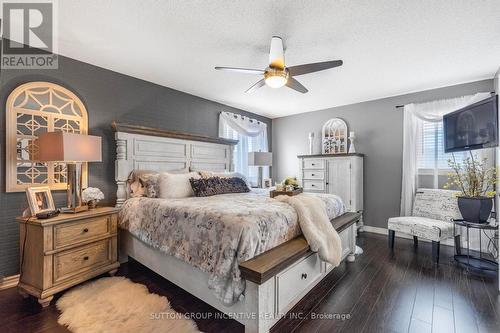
216	233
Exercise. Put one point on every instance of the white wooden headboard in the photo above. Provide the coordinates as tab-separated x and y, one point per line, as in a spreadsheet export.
147	148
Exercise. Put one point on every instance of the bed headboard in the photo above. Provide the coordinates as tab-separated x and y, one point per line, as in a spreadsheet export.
146	148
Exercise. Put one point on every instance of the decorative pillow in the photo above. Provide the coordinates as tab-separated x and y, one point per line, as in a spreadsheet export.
143	183
209	174
176	185
205	187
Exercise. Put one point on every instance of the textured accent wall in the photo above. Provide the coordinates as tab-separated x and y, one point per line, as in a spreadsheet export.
379	135
107	96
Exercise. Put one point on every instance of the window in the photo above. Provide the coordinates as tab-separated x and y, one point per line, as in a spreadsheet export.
251	135
432	161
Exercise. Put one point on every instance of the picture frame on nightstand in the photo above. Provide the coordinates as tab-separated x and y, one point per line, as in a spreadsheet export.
40	199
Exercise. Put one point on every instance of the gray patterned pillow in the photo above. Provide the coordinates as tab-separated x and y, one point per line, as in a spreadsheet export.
205	187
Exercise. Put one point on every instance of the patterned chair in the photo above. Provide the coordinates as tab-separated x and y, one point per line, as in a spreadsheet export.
433	212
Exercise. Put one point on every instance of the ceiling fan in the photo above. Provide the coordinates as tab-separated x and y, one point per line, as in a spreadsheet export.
277	75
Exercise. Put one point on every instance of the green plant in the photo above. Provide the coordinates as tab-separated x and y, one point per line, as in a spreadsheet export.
472	177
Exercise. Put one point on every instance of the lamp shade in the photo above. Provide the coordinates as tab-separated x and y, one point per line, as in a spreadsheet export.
69	147
260	158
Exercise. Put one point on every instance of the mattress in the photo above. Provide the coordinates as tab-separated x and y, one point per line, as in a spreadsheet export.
216	233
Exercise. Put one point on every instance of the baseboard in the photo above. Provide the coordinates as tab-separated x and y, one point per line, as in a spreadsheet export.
9	281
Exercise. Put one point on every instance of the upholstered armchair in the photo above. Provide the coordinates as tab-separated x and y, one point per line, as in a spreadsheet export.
432	219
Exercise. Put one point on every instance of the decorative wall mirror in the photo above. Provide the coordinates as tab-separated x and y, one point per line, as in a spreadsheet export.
334	137
34	108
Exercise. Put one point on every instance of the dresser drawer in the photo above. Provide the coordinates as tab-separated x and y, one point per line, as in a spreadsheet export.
314	174
314	185
293	282
79	231
311	163
75	261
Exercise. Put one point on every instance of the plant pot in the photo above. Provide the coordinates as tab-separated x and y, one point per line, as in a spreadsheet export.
476	210
92	204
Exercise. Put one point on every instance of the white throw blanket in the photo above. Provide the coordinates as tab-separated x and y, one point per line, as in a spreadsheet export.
316	226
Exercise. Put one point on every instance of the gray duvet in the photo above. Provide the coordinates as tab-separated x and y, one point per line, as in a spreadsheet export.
216	233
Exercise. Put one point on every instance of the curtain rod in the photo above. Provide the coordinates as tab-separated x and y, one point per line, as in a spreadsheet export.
402	106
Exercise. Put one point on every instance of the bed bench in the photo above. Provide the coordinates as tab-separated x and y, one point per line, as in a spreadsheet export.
264	266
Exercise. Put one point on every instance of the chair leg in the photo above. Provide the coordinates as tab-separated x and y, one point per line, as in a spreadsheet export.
458	245
392	233
435	251
415	241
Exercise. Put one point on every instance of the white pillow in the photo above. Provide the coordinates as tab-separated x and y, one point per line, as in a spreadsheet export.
176	185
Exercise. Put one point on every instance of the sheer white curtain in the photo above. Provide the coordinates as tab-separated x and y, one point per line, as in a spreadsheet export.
413	118
251	135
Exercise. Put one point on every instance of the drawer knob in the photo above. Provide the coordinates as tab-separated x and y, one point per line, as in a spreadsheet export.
313	185
86	230
312	174
313	164
327	183
86	258
304	276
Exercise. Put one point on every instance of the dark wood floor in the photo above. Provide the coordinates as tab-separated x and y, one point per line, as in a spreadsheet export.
380	292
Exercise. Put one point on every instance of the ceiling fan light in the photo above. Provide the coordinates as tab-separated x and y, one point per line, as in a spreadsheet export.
276	81
275	77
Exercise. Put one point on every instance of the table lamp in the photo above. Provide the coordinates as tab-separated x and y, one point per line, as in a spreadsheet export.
260	159
72	149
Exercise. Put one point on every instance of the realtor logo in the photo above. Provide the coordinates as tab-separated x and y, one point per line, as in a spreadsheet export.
28	39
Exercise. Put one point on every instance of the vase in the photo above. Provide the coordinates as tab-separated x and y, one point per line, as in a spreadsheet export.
92	204
476	210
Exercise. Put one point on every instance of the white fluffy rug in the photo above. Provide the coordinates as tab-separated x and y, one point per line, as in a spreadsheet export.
116	304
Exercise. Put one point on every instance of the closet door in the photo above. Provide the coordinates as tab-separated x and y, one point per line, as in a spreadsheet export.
339	179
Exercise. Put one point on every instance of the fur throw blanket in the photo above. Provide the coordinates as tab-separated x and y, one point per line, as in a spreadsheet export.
316	226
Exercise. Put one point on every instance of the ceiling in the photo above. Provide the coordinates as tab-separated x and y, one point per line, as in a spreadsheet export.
389	47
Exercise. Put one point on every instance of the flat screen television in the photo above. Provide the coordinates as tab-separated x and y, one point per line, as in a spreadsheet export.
472	127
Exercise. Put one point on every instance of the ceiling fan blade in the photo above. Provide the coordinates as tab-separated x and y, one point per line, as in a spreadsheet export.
256	86
296	85
240	70
276	53
314	67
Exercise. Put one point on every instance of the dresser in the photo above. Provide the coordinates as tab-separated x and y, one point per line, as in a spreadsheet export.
63	251
340	174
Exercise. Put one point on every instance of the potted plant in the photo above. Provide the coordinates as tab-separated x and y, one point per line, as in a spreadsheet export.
476	183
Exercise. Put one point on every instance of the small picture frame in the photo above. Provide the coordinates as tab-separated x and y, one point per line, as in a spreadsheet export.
268	182
40	199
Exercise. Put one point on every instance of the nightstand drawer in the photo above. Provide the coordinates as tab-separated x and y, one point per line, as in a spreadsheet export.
314	174
314	163
79	231
72	262
314	185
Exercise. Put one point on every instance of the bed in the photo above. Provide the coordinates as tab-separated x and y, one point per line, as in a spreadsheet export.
241	253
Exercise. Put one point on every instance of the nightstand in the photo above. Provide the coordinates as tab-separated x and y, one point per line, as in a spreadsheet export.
66	250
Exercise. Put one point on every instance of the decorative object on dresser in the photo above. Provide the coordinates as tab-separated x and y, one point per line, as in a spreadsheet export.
40	200
91	196
340	174
260	159
351	138
311	143
32	109
275	193
432	218
66	250
73	149
334	137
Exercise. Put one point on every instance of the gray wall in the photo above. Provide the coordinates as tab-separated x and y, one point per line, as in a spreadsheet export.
107	96
379	135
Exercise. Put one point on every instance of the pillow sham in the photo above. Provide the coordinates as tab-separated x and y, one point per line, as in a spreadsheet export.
143	183
174	186
205	187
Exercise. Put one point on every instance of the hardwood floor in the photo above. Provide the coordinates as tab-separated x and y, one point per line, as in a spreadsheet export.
380	292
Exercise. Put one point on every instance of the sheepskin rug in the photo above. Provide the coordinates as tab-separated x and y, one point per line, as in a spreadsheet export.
116	304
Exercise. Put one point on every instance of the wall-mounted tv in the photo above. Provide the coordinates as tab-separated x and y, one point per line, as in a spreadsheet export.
472	127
